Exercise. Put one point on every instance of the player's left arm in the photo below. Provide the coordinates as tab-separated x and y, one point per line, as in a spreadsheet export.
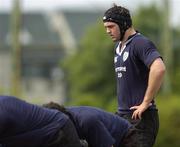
156	74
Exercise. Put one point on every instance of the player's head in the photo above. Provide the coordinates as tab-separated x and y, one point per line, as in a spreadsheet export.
119	15
53	105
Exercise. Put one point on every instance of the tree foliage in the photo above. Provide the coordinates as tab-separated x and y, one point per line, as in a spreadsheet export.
169	130
148	21
90	71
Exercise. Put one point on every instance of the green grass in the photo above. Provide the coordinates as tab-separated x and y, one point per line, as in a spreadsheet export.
169	114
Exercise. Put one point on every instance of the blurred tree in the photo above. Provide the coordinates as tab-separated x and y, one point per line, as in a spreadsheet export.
147	20
175	73
169	131
90	71
166	44
16	49
153	22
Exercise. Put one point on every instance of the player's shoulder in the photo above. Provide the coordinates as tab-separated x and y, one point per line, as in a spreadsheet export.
140	39
7	98
141	42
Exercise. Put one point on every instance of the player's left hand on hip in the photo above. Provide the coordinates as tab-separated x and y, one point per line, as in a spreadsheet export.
138	110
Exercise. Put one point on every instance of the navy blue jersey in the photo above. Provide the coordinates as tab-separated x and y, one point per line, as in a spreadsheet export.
132	70
24	124
99	128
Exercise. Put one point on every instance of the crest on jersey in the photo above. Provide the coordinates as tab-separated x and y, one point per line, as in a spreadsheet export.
115	59
125	56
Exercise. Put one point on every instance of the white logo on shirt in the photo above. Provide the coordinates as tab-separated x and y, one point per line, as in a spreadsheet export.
121	68
115	59
119	75
125	56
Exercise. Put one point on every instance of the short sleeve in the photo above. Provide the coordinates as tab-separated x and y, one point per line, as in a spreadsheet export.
146	51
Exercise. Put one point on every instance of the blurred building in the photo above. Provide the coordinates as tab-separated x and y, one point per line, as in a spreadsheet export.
45	40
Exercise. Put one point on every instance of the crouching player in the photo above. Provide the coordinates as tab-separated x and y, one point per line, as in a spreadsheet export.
98	127
28	125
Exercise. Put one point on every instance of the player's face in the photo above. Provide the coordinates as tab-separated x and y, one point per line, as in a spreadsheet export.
113	30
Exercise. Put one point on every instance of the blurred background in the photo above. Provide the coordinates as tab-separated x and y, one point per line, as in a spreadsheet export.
57	50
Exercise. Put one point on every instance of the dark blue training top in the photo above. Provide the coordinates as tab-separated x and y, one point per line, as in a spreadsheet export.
27	125
97	127
132	71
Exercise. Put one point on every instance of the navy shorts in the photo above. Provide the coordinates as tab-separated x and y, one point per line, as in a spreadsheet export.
144	131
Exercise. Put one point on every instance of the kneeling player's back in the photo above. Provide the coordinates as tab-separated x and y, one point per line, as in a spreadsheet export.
22	122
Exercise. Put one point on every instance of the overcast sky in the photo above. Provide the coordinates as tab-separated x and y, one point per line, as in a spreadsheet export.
50	5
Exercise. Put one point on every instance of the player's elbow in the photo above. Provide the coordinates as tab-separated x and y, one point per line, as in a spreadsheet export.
158	67
161	70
